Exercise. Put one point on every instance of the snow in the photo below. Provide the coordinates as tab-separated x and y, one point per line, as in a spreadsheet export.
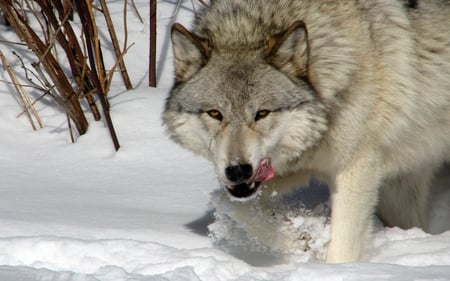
82	212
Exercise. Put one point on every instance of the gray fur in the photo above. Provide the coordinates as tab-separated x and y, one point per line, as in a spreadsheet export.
358	94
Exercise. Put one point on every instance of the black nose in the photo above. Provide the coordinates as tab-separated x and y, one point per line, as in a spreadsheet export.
239	173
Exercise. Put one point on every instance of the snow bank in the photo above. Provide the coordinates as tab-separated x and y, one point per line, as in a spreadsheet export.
59	258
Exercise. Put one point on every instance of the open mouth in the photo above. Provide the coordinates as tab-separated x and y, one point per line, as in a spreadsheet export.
243	190
246	189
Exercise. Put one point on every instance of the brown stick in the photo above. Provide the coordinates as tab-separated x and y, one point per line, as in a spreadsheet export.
26	33
115	42
136	11
101	72
152	51
203	3
68	8
85	14
71	48
111	71
24	99
50	89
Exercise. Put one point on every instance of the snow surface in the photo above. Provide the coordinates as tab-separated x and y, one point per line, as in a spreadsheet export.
82	212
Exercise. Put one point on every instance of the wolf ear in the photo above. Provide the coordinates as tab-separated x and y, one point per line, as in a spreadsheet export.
289	50
191	52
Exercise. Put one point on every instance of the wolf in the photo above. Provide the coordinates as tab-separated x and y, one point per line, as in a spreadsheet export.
355	93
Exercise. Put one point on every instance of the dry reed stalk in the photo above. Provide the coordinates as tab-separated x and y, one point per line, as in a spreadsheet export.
96	62
115	43
51	65
24	98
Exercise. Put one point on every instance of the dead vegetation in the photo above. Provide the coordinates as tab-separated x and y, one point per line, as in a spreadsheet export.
67	61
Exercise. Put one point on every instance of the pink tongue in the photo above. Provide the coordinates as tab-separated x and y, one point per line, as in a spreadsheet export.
264	173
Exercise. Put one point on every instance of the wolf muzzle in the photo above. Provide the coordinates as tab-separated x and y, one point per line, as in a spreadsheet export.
239	175
245	182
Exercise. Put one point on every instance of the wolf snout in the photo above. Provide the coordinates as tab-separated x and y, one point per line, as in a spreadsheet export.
239	174
245	181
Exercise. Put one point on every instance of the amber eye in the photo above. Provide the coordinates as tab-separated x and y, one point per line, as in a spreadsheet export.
261	114
213	113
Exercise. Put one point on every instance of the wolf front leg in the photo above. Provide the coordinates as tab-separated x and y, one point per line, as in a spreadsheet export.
353	202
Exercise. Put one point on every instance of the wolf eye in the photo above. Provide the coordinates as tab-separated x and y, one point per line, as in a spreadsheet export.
213	113
261	114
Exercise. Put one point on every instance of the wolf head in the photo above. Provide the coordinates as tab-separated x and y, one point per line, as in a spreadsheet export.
251	110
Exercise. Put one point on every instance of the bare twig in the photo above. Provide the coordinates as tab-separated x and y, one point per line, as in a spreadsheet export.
27	72
50	89
69	124
111	71
152	51
24	98
51	65
94	52
115	42
133	4
87	75
11	42
203	3
76	57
